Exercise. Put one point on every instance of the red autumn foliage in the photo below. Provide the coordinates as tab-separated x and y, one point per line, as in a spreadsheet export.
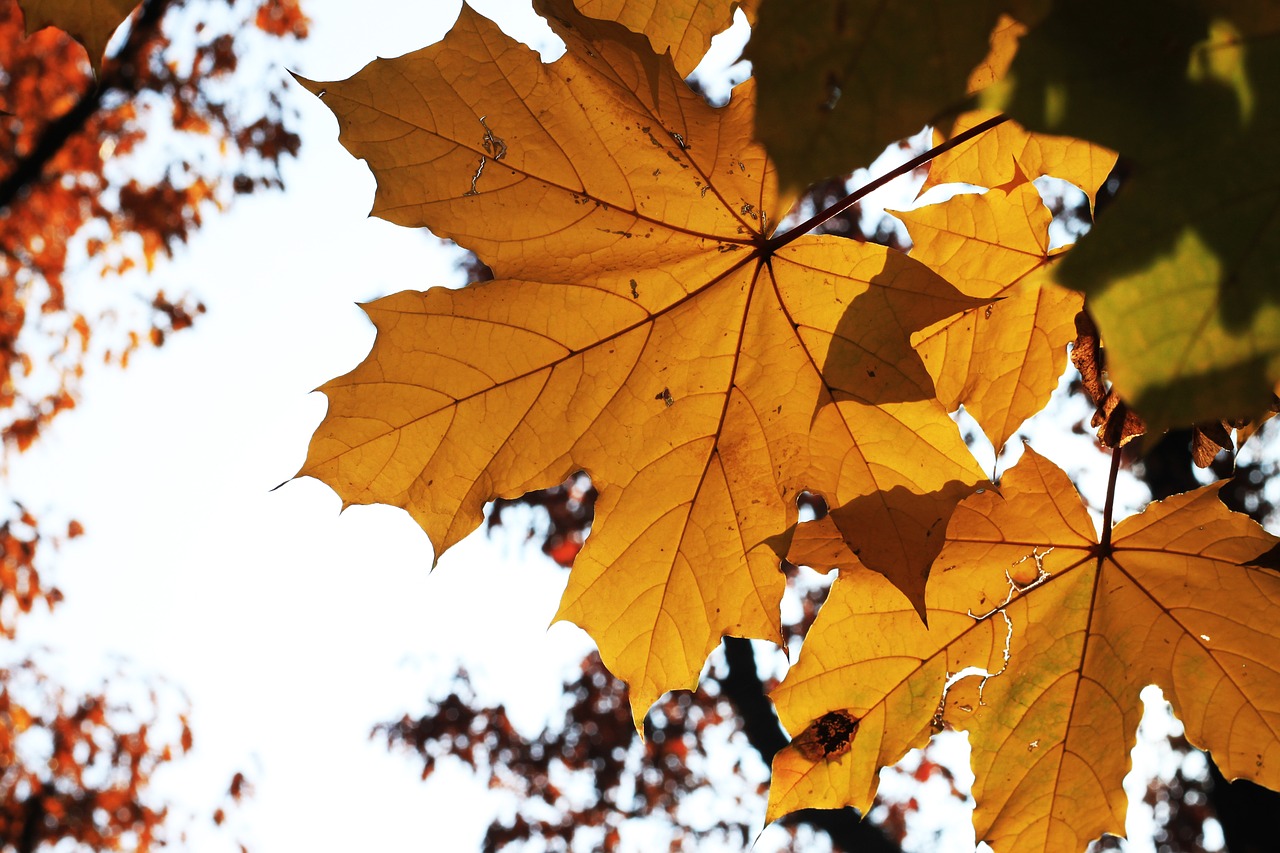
97	178
152	149
21	587
580	779
75	768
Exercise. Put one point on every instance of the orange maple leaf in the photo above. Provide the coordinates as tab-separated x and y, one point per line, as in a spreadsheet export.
647	326
1001	360
1067	631
683	27
1004	154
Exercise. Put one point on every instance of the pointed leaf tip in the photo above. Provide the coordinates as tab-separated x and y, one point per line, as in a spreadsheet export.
90	23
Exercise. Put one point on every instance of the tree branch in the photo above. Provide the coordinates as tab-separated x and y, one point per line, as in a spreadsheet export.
866	189
1108	509
121	75
742	685
30	838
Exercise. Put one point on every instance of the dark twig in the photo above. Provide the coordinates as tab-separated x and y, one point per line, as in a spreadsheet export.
742	685
120	75
863	191
1108	508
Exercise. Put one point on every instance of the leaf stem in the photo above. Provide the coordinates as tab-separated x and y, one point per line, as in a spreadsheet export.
857	195
1108	508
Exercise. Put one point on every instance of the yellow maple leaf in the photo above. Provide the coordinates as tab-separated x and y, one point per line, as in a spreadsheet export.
1002	156
91	22
1001	360
682	27
994	159
1069	631
867	657
646	326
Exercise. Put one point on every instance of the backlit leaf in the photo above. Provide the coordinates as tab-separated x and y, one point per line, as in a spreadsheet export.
1001	360
1172	601
643	328
995	158
92	22
684	27
1003	47
867	655
1181	273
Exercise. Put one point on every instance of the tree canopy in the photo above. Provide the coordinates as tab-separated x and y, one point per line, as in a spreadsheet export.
110	159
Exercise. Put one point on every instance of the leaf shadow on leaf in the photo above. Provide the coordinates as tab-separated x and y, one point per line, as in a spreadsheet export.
1269	560
1242	291
1234	381
874	363
923	517
565	18
896	530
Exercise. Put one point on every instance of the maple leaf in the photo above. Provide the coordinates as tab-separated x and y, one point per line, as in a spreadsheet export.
1001	155
826	104
645	327
1069	630
1180	274
682	27
91	22
1007	152
1002	360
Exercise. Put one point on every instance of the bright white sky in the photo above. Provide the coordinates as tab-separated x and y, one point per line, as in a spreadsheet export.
292	629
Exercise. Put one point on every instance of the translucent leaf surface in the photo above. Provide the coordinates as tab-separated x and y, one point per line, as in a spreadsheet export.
997	157
645	328
1001	360
682	27
92	22
1181	272
1069	632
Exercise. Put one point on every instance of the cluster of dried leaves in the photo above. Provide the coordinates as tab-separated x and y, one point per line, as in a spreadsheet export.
75	768
585	776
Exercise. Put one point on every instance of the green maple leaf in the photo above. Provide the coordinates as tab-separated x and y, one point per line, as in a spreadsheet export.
1182	271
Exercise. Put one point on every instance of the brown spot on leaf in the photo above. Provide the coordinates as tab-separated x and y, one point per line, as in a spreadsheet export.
827	737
